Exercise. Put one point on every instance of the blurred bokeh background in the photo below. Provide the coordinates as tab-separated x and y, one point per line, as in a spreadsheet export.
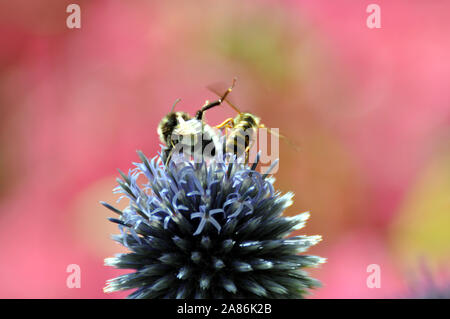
369	109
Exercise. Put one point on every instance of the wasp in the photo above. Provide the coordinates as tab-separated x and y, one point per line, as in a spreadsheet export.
243	129
191	134
242	134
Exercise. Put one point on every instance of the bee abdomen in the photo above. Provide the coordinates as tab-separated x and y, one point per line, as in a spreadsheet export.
240	138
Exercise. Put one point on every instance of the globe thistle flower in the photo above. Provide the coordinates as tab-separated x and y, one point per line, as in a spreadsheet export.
208	230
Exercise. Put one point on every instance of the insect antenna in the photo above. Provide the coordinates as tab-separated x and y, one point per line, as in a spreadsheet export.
173	106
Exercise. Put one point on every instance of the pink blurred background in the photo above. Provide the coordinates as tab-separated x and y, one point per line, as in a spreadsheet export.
369	109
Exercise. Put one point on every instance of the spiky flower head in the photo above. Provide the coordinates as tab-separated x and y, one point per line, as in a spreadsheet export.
208	230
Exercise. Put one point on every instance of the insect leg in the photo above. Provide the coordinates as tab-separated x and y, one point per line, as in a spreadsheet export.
199	114
228	123
247	153
170	151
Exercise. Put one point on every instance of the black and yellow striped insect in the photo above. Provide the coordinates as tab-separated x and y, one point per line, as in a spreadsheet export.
243	129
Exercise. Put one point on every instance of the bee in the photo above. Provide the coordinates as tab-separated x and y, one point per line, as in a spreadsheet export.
243	129
242	134
192	134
